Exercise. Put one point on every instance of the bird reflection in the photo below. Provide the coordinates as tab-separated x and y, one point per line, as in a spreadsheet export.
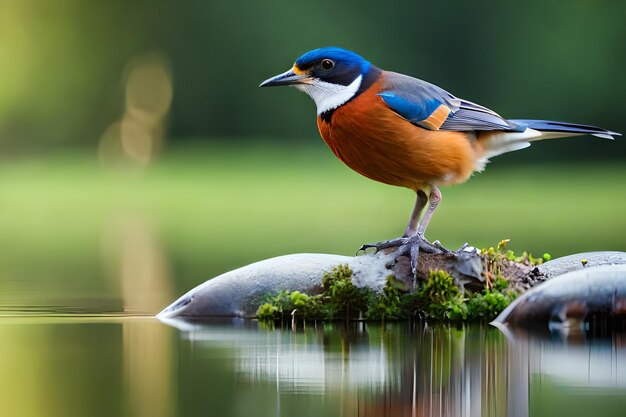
409	369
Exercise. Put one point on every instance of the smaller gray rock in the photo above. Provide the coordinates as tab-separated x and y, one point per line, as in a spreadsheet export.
574	262
580	299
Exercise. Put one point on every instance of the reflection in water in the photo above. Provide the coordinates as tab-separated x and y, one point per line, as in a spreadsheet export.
89	366
147	369
133	366
403	369
397	369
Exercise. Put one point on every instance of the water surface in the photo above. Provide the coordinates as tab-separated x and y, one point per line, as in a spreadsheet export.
69	365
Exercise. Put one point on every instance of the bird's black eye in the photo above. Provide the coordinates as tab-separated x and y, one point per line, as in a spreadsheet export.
327	64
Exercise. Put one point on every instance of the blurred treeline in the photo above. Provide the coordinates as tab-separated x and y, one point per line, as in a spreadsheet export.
65	64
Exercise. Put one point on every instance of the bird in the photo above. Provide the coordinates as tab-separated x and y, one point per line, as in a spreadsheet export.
403	131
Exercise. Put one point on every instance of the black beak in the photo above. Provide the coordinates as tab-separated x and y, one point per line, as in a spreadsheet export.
286	78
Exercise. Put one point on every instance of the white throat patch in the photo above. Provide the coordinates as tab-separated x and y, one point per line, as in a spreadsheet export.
328	96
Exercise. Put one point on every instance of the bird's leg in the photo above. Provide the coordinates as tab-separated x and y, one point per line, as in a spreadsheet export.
411	228
413	239
433	201
416	241
420	203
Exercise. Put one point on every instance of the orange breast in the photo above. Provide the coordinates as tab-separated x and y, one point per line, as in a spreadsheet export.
378	143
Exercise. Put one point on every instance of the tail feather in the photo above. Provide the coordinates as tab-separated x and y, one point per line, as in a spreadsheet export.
494	143
567	129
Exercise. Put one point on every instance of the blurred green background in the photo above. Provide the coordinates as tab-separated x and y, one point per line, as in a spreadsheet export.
138	157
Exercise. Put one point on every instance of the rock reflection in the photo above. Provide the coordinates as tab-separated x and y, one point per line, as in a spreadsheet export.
412	369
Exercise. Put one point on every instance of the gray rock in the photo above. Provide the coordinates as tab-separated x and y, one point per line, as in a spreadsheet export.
580	300
239	293
574	262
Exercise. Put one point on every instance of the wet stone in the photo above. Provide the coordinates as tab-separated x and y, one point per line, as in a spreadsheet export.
587	300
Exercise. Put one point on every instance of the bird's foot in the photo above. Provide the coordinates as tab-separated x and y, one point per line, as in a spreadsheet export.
416	243
410	246
423	244
400	242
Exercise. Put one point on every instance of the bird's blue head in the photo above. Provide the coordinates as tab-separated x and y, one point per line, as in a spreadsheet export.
331	76
333	65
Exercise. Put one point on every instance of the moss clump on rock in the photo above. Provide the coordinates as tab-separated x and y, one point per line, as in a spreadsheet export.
284	303
491	302
439	298
340	299
446	302
391	304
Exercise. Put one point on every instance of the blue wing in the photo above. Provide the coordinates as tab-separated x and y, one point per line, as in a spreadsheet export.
432	107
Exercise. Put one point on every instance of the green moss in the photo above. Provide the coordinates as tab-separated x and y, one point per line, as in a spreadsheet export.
438	299
391	305
445	301
340	296
340	299
266	312
299	299
489	304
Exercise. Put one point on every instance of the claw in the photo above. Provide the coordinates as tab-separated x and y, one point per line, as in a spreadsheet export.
384	244
363	249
